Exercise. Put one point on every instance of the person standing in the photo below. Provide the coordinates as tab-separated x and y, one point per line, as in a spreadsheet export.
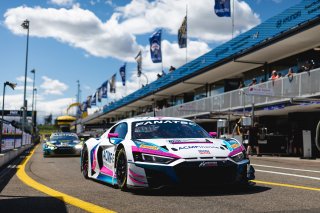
253	140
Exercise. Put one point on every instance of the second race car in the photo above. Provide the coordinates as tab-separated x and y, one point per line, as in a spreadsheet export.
62	143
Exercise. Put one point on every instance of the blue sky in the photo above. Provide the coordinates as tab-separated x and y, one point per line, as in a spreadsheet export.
88	41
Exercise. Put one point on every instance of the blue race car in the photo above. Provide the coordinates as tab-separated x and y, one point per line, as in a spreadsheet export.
62	143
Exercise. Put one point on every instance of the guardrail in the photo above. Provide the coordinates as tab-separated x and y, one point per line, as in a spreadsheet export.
13	138
302	85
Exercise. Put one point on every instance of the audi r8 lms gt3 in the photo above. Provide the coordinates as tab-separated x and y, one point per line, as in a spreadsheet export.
158	151
62	143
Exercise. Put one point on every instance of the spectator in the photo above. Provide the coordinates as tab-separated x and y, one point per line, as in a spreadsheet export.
290	74
279	75
172	68
274	75
253	82
241	84
253	139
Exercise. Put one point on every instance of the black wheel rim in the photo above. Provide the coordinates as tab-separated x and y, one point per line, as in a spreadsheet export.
85	164
121	169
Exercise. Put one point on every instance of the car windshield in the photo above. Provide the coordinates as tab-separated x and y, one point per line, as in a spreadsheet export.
64	138
163	129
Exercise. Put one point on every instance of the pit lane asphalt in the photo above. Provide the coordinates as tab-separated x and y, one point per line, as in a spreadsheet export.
63	174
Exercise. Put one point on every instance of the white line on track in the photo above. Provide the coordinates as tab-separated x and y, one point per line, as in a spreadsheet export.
285	168
288	174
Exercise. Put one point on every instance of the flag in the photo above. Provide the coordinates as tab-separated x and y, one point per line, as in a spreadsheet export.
182	34
99	94
112	83
84	109
123	74
222	8
155	47
89	101
94	99
138	59
104	90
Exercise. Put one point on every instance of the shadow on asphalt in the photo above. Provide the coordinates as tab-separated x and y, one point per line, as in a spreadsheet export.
14	204
202	191
6	172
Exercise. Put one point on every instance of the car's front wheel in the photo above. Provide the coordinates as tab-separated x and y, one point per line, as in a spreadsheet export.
122	169
85	163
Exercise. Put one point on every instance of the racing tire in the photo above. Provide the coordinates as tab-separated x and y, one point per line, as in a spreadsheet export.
122	170
85	163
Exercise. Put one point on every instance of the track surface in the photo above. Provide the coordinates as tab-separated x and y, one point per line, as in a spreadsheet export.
63	174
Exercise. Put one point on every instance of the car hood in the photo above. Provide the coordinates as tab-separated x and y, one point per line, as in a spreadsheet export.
191	147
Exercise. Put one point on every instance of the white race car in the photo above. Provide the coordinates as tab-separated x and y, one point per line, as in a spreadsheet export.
153	152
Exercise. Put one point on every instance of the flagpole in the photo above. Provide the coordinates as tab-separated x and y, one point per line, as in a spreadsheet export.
161	52
187	33
232	17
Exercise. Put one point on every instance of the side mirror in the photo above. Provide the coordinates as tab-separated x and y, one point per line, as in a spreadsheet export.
213	134
113	135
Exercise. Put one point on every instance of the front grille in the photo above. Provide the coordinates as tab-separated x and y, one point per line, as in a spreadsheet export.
206	172
191	173
157	178
64	150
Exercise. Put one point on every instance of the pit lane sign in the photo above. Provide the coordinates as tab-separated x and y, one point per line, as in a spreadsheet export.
260	91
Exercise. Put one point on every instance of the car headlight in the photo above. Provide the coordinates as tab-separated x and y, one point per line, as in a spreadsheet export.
238	157
51	146
152	158
78	146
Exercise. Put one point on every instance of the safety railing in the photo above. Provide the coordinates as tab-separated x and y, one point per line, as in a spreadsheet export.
13	138
302	85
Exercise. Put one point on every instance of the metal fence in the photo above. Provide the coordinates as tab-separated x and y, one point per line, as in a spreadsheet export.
302	85
13	138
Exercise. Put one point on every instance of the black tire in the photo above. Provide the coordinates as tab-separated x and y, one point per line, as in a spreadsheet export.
122	169
85	163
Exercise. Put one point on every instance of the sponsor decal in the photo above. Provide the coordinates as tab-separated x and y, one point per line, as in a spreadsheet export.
236	145
198	147
186	141
149	147
208	164
108	156
204	152
165	122
64	134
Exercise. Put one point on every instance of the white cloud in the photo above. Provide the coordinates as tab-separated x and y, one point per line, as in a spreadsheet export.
28	88
21	79
133	83
56	107
109	2
136	18
86	87
53	87
44	107
142	16
77	27
62	2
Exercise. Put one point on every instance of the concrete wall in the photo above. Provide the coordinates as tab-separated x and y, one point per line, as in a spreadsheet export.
10	155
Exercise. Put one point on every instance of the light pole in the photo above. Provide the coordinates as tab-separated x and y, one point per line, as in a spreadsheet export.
25	25
33	114
35	99
35	106
12	85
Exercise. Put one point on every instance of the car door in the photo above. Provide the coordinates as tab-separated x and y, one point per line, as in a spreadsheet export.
109	148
